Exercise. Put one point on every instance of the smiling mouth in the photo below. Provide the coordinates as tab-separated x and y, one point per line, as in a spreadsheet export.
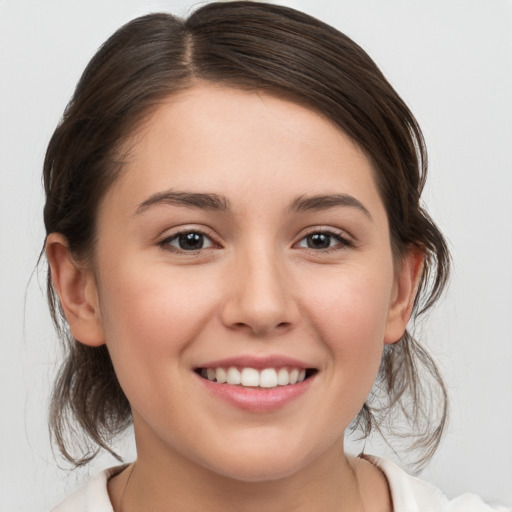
251	377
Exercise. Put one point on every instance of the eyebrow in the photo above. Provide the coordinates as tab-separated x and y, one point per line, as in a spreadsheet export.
216	202
203	201
326	201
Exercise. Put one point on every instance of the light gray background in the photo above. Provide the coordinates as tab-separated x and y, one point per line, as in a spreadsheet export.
452	63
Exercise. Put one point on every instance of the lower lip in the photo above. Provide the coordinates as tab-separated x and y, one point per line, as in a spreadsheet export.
257	399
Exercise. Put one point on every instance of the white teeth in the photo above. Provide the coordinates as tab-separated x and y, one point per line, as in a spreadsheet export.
268	378
250	377
283	377
233	376
221	375
294	375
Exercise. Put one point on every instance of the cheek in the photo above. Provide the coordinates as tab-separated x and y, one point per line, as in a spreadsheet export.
150	318
352	310
350	315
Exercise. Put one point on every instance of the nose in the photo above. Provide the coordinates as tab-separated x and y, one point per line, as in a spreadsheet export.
259	295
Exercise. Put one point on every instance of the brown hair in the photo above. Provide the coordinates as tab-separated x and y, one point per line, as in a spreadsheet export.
253	46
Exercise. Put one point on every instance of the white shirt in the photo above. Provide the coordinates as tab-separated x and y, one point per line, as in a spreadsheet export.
409	494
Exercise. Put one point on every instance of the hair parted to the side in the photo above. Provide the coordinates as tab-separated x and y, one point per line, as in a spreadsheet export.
253	46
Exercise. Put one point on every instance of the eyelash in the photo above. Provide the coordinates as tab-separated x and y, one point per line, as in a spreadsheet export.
341	241
166	243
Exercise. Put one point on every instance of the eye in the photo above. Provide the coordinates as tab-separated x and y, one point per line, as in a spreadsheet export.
322	240
187	241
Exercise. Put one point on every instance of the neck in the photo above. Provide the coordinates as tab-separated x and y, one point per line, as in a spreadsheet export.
158	482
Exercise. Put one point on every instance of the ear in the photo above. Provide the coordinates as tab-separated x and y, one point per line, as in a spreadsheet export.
77	292
407	278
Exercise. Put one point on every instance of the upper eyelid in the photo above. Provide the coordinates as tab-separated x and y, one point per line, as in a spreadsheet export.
187	231
345	240
211	234
342	233
179	230
165	239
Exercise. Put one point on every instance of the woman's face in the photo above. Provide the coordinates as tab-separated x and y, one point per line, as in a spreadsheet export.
244	232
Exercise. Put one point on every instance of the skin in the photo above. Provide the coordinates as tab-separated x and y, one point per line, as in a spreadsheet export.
256	288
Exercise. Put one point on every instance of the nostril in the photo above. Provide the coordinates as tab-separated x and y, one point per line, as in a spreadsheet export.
260	328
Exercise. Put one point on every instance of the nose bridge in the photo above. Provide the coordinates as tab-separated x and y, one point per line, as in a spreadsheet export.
258	297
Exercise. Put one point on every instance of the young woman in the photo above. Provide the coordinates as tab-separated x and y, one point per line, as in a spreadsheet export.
236	246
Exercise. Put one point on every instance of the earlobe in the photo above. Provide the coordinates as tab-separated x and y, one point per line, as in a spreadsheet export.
77	292
404	293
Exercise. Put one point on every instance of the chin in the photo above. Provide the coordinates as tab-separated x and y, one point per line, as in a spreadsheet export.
261	465
254	472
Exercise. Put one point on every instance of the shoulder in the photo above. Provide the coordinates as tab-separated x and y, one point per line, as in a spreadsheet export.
93	496
410	494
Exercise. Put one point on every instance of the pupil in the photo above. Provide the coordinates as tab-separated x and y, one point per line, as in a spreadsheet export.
191	241
319	241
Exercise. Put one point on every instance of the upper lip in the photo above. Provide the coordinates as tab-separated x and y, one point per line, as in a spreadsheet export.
256	362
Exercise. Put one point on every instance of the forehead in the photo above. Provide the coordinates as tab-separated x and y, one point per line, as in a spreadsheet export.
233	142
